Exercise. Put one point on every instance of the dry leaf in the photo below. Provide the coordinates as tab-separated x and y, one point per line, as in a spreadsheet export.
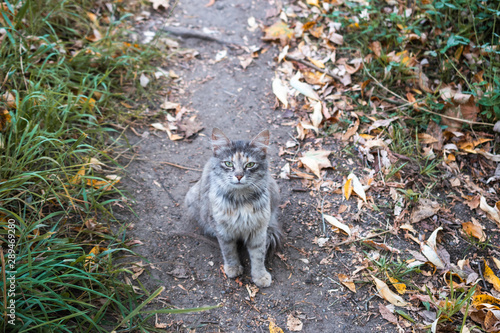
492	212
159	3
293	324
347	281
278	31
351	130
357	187
474	230
388	294
280	91
303	88
387	314
347	189
400	287
317	115
426	208
430	251
273	328
491	277
75	180
316	160
337	224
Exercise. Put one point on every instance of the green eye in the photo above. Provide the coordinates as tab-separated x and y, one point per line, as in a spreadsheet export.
250	165
228	164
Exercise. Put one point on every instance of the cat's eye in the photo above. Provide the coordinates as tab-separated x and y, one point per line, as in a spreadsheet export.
250	165
228	164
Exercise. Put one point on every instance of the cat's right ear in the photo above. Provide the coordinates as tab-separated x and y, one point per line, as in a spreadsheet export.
219	140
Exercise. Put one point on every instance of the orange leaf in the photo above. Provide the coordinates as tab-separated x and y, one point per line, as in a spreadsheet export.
347	189
474	230
278	31
347	281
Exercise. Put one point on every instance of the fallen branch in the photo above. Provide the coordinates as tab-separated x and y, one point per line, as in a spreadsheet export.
308	64
188	33
360	239
180	166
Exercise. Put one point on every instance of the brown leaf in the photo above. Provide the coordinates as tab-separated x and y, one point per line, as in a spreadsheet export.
376	47
351	130
387	314
426	208
190	126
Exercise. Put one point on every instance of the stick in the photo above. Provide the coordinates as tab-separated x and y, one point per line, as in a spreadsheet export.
188	33
180	166
361	239
307	63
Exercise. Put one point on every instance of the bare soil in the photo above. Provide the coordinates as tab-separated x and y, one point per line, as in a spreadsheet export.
180	258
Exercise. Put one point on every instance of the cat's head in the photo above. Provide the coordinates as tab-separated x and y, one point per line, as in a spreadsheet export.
240	163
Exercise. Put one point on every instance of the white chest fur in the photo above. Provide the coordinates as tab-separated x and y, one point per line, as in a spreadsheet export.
240	220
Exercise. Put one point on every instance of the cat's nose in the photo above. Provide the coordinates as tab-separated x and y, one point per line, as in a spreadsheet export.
239	177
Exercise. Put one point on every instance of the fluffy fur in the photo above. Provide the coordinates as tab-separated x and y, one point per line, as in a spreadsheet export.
237	199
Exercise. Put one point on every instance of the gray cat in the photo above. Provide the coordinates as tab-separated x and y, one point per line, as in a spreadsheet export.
237	199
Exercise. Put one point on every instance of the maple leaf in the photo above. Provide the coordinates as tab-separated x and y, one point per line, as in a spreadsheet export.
278	31
316	160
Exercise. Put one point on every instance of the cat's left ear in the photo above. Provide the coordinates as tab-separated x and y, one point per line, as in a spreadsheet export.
261	140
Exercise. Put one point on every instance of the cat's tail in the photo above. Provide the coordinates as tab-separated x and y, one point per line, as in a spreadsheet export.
274	237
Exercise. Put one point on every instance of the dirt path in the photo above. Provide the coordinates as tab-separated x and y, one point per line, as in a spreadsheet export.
240	102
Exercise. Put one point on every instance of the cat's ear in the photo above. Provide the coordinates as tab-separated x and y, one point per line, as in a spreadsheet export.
219	140
261	140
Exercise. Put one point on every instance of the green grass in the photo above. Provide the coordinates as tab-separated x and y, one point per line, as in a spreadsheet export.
62	88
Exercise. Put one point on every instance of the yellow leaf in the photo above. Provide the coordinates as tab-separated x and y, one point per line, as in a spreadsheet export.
76	178
273	328
479	301
347	189
104	184
316	63
278	31
347	281
92	254
388	294
496	261
400	287
491	277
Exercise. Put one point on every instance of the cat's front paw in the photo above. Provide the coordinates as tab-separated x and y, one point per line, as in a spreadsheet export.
263	280
233	271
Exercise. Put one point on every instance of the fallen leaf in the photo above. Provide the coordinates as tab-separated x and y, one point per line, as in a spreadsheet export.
143	79
388	294
492	212
316	160
357	187
400	287
317	115
347	189
347	281
337	224
245	61
160	3
280	91
75	180
430	250
293	324
426	208
303	88
387	314
491	277
278	31
273	328
351	130
474	230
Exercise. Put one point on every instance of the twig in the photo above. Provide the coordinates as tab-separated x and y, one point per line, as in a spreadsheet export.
424	109
308	64
188	33
180	166
361	239
481	274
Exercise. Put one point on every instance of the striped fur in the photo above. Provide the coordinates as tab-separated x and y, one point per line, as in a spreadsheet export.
237	199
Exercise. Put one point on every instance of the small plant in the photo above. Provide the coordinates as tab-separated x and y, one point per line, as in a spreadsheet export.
450	306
